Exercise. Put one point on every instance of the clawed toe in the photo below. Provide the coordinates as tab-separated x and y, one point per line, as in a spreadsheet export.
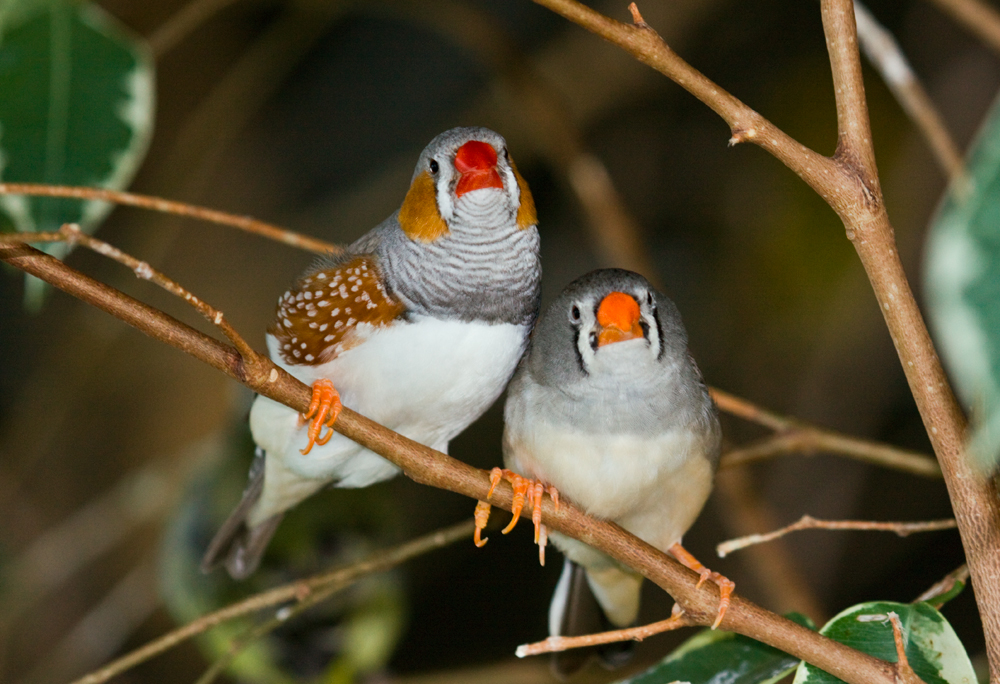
527	491
323	411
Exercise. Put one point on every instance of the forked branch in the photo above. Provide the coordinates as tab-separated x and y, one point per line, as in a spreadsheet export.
848	181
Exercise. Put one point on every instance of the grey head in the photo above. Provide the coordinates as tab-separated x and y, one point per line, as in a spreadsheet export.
465	242
641	380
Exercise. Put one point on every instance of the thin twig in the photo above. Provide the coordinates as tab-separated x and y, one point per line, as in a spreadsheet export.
432	468
798	436
977	16
280	617
902	662
807	522
246	223
555	644
946	584
883	51
296	591
742	408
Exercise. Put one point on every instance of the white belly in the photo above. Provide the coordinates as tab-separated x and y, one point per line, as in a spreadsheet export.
427	380
654	487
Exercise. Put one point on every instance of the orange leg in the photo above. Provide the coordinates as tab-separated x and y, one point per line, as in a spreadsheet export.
726	585
323	411
525	490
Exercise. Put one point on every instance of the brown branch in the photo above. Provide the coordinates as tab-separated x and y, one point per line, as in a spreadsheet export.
250	225
798	436
943	586
555	644
977	17
849	183
426	466
807	522
902	666
301	590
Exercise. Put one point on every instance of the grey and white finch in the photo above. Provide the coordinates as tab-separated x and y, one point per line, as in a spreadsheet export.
609	408
419	325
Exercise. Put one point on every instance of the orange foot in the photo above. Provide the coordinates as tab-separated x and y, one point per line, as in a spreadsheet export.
726	585
323	411
525	490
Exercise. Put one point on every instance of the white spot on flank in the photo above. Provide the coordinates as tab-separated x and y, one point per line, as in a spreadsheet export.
321	276
303	345
323	303
296	353
324	327
307	295
309	357
335	312
328	338
311	312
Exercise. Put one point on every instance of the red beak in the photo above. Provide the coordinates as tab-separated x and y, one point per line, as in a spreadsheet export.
477	162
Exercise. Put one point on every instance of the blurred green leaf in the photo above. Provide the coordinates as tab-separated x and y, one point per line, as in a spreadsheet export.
717	656
963	288
76	108
932	647
346	637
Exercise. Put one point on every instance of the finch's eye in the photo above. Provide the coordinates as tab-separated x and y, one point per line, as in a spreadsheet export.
574	314
434	166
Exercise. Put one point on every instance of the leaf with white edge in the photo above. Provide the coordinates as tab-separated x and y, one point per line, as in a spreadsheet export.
76	108
932	647
962	275
715	656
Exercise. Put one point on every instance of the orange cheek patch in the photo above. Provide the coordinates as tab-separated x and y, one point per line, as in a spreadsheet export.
526	215
419	216
316	320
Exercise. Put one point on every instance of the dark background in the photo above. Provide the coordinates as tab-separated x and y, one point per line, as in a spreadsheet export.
310	114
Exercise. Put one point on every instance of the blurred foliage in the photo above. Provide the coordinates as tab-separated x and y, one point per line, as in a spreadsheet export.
963	288
348	636
77	109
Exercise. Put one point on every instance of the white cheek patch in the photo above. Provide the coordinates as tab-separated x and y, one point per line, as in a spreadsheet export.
442	187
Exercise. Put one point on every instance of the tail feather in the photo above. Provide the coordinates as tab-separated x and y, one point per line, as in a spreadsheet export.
237	545
575	611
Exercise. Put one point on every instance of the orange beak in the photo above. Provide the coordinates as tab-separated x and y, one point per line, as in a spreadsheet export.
477	162
618	318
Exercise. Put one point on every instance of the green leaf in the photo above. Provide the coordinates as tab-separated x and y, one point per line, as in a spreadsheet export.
718	656
932	647
76	108
963	288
